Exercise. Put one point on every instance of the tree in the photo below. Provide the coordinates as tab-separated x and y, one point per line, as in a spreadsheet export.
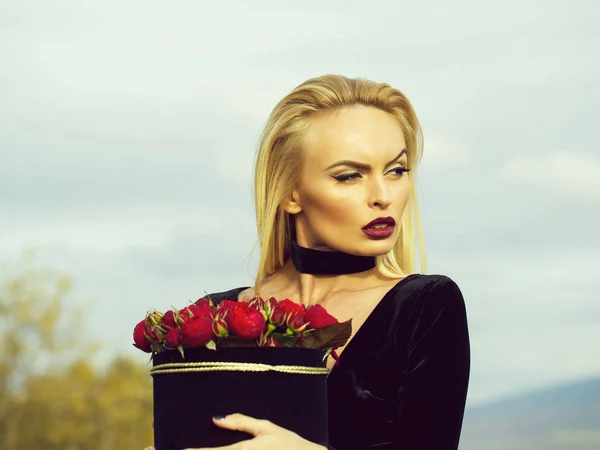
51	394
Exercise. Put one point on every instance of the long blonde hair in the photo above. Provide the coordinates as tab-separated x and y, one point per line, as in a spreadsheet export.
279	160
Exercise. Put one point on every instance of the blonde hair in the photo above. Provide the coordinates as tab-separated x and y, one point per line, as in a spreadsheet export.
279	160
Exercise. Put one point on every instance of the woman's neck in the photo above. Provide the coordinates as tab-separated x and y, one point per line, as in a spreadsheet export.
309	289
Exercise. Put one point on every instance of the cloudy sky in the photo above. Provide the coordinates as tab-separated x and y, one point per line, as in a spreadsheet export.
128	131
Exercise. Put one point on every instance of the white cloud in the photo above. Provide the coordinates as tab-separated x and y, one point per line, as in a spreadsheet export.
443	151
558	171
104	233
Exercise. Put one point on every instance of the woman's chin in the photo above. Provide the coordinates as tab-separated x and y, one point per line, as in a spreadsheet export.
374	248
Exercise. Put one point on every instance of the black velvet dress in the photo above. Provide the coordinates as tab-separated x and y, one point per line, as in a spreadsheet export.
402	380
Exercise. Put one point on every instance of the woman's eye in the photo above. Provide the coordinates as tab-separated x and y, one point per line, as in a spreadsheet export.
348	176
400	170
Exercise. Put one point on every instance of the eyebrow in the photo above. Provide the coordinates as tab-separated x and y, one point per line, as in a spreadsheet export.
363	166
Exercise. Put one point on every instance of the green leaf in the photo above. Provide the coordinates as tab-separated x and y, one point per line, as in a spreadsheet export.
180	348
328	337
211	345
284	341
156	347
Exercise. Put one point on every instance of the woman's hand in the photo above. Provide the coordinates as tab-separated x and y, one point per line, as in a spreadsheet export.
267	435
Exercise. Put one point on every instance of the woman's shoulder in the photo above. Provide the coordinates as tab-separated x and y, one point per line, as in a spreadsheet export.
428	305
435	291
430	282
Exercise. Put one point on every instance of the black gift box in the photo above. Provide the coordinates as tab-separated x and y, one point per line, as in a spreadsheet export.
187	397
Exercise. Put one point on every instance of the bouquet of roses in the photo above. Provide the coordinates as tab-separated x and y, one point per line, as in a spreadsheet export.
231	356
256	323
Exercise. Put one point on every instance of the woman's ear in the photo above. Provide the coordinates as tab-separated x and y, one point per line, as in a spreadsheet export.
292	204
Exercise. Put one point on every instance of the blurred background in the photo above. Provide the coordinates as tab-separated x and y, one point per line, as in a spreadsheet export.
127	136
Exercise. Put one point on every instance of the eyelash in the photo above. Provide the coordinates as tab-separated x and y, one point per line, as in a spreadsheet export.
352	176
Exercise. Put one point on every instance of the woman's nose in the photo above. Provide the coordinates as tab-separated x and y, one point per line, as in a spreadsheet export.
380	196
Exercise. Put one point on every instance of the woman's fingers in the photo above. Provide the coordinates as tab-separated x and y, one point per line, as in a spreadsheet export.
244	423
240	422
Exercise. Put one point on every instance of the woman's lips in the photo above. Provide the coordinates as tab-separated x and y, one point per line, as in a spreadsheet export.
381	221
379	233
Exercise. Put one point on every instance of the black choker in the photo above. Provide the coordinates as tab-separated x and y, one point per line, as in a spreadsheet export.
320	262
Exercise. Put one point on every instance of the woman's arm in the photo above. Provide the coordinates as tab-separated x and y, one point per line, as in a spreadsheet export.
432	388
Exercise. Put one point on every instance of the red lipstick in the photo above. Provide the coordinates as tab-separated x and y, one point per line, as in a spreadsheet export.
385	228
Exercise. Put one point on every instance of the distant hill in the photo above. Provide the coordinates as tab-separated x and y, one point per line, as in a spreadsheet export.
565	417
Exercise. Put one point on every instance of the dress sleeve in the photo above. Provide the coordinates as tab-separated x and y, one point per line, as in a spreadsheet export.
434	376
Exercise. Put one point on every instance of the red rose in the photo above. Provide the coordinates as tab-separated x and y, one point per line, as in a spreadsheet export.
317	317
196	331
168	320
202	310
173	338
290	310
139	337
226	305
245	321
289	307
202	302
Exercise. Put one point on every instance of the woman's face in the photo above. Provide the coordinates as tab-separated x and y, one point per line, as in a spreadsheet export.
353	173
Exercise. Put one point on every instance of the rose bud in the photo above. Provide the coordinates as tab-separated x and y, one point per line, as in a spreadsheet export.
277	317
271	343
202	302
317	317
168	320
259	304
219	326
152	327
256	303
271	303
154	317
196	331
173	338
139	337
188	312
268	307
296	324
246	322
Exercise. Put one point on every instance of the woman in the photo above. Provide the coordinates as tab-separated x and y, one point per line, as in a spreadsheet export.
338	224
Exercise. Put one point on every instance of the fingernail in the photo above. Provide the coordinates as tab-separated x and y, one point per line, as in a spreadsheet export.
220	418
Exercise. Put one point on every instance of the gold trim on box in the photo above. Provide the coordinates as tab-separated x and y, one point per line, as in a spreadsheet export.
235	367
